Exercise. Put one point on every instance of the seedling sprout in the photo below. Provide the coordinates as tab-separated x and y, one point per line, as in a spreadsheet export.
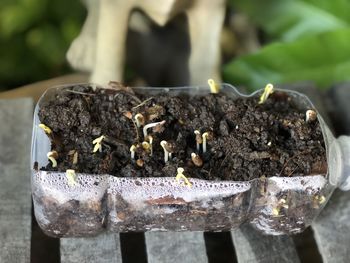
52	156
98	144
198	139
166	153
267	92
275	211
281	203
150	139
181	177
205	136
322	199
196	159
146	146
71	177
46	129
310	116
151	125
132	151
214	88
170	146
75	156
140	120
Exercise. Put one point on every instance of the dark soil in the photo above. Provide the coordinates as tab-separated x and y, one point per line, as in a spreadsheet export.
248	140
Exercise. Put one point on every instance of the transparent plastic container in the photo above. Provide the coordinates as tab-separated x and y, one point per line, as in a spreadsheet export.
273	205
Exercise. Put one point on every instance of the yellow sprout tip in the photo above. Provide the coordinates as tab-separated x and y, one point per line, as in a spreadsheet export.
275	211
132	148
71	177
214	88
322	199
98	140
146	146
205	135
181	177
46	129
267	92
53	161
98	145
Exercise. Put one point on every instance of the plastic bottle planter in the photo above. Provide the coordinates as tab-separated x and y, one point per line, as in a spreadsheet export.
104	202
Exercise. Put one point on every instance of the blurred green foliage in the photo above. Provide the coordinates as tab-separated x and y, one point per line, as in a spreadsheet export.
307	40
304	40
34	37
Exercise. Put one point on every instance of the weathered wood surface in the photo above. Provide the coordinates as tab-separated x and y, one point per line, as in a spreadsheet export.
252	246
35	90
171	247
15	199
332	227
104	248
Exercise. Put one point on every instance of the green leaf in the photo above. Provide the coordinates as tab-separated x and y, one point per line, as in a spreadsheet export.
20	15
323	59
288	20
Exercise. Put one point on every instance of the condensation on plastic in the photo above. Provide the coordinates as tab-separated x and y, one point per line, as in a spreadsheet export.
274	205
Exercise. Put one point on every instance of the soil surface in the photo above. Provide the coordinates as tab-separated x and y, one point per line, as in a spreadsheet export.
246	140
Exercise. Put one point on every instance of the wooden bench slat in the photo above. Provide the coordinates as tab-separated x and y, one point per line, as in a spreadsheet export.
252	246
332	227
104	248
15	200
169	247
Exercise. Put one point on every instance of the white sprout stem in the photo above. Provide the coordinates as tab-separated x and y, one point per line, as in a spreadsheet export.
197	133
150	143
151	125
170	156
204	137
166	153
132	152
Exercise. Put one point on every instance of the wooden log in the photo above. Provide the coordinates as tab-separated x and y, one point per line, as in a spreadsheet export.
169	247
104	248
15	198
252	246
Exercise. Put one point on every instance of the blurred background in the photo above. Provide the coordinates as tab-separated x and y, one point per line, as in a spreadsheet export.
34	37
277	41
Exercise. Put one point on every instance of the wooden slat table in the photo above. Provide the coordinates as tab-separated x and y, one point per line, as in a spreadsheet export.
15	201
331	229
104	248
175	247
251	246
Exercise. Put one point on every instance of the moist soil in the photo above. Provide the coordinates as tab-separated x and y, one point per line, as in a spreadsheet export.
246	140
